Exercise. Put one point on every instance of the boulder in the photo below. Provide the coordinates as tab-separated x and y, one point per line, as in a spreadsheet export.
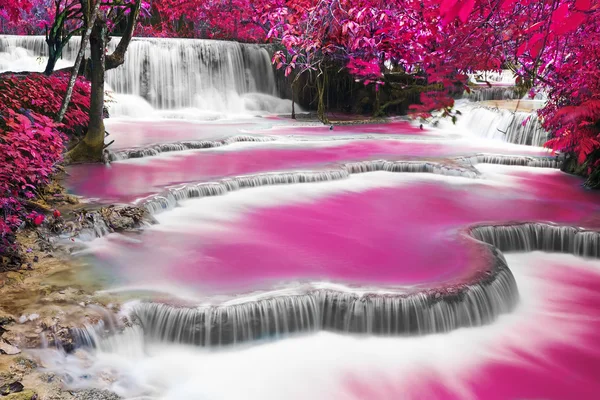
9	388
7	348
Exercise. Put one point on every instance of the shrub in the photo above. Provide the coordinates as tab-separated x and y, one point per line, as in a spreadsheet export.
31	143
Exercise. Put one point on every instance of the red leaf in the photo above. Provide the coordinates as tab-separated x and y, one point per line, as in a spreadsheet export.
466	9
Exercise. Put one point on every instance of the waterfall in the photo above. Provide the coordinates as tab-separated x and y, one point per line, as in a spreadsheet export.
182	73
524	161
492	93
326	307
505	76
315	308
512	127
171	74
543	237
463	167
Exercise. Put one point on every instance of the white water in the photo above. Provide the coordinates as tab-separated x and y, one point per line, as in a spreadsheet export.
499	124
505	77
199	80
326	365
193	79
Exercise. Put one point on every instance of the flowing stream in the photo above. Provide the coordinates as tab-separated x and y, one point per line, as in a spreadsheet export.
292	260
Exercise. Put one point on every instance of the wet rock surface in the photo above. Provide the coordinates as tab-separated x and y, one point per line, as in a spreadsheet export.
95	394
8	388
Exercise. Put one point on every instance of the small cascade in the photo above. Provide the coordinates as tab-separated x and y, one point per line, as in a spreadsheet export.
525	161
492	93
170	198
512	127
93	226
128	340
157	149
276	315
410	167
541	237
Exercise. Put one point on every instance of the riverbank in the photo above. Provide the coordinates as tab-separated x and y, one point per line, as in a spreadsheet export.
52	292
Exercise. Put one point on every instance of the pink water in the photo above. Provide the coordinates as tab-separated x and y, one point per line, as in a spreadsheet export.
555	356
405	233
132	133
392	128
378	230
125	181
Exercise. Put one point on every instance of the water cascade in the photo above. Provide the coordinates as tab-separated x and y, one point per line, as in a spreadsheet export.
310	309
313	308
505	77
541	237
171	74
488	93
171	197
500	159
512	127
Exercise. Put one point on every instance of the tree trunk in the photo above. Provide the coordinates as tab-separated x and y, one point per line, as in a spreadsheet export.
75	72
91	147
321	83
293	100
377	111
52	58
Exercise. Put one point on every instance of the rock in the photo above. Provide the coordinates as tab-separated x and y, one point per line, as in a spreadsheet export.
123	218
95	394
5	319
71	199
14	276
7	348
9	388
24	395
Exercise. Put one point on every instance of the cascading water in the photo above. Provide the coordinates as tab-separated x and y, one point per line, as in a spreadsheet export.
492	93
377	242
171	74
204	74
544	237
505	76
277	316
502	124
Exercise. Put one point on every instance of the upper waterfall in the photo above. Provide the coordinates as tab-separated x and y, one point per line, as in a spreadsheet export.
170	74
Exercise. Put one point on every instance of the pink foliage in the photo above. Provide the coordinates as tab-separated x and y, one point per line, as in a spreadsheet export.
31	143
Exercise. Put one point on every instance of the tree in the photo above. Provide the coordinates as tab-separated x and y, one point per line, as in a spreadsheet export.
91	147
67	22
89	22
549	44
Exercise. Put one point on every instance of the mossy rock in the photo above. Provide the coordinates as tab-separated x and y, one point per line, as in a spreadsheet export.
24	395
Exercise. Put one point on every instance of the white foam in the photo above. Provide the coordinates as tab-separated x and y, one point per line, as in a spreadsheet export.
321	366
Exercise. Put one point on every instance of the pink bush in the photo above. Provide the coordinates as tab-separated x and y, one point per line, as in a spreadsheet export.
31	143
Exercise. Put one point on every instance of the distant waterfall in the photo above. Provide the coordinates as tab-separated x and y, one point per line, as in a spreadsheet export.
492	93
512	127
170	74
505	77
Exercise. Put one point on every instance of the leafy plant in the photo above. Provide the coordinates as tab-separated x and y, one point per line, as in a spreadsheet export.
31	143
